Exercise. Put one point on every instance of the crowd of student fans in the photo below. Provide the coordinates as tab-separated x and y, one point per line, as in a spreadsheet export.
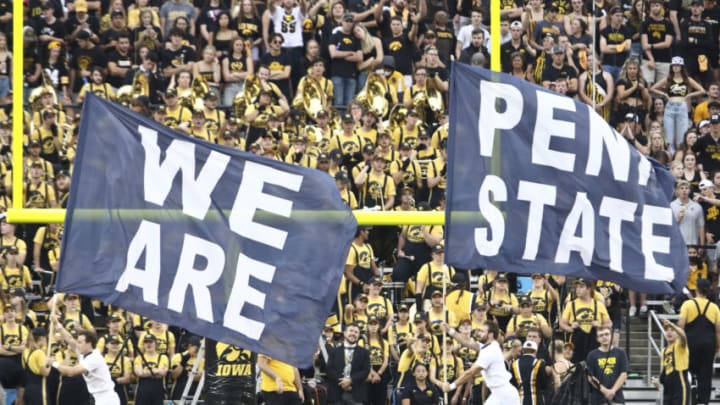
359	90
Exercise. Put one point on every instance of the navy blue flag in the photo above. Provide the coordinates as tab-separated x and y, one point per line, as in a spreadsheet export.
539	182
240	248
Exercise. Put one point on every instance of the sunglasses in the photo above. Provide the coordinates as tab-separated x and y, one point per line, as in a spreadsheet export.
276	42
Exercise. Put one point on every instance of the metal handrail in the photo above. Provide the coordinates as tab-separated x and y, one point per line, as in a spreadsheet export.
656	318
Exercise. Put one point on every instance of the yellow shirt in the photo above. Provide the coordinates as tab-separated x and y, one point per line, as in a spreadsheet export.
676	357
432	274
14	335
380	306
156	360
360	256
15	277
117	368
34	361
585	313
695	272
165	340
177	361
378	351
458	303
689	311
525	322
286	373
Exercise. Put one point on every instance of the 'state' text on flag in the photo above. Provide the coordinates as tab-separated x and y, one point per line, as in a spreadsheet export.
540	183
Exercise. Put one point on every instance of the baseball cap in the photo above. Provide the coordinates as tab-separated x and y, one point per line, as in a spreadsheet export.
430	33
516	25
117	13
715	118
375	280
368	148
419	316
436	292
335	155
171	92
530	345
558	49
18	292
696	3
340	176
631	117
210	95
703	123
81	6
193	340
405	145
706	184
84	34
424	337
348	17
677	60
321	114
363	297
323	157
438	248
525	300
347	117
403	308
588	283
114	339
373	319
149	337
501	277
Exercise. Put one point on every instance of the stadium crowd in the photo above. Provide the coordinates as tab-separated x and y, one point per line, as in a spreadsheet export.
359	90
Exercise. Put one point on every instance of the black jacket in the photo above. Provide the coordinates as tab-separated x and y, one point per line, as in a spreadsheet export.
359	371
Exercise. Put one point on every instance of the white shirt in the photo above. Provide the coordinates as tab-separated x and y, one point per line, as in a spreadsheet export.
465	36
492	362
98	377
289	25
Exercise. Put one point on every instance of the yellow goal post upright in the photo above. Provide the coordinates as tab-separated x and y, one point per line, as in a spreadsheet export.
17	213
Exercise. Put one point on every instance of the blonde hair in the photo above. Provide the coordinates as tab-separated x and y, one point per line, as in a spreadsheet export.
366	43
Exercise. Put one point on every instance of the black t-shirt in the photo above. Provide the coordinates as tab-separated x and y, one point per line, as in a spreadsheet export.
402	50
56	29
176	58
122	61
712	218
506	50
702	32
110	35
656	30
58	74
146	41
249	27
359	6
72	23
614	36
552	74
86	59
208	16
607	367
343	42
707	151
429	396
278	63
36	10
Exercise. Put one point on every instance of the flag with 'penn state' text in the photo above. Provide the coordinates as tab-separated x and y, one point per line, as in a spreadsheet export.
539	182
226	244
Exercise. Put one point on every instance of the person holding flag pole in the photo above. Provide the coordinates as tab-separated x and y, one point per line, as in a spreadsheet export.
91	364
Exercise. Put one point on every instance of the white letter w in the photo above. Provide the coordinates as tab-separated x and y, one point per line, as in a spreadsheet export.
180	155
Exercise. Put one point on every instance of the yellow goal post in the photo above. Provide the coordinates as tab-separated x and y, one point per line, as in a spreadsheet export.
17	213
